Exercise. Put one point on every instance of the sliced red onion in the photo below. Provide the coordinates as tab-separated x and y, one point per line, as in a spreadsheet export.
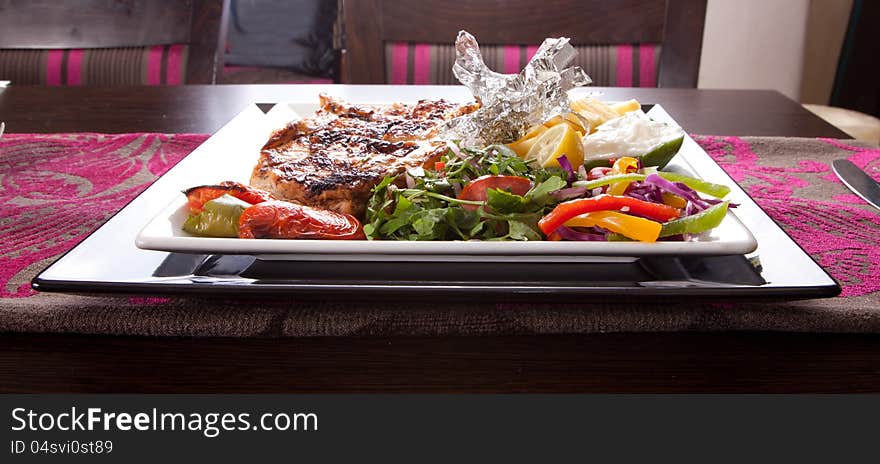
455	149
568	233
569	193
456	187
566	164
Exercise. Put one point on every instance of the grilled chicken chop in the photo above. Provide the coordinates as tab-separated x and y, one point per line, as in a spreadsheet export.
333	159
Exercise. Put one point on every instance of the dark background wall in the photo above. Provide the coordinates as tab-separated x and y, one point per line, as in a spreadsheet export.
857	84
289	34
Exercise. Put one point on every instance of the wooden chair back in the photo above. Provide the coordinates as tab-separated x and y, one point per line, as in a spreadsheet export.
675	24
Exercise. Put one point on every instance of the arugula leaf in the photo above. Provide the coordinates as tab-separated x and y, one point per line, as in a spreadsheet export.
394	224
504	202
425	224
540	193
477	229
403	205
462	222
521	231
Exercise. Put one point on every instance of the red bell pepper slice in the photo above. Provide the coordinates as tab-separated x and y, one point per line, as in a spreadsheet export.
198	196
569	209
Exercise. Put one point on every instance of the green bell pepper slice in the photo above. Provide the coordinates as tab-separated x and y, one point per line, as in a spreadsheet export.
699	185
218	219
716	190
705	220
608	180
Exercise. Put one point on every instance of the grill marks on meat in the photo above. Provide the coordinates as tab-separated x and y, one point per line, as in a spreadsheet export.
333	159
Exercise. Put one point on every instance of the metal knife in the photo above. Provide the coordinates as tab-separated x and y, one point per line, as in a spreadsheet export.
858	181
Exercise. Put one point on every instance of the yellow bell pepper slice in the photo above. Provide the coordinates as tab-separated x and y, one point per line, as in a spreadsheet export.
623	165
636	228
674	201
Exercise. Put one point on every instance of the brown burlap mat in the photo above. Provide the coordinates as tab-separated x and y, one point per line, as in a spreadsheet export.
781	174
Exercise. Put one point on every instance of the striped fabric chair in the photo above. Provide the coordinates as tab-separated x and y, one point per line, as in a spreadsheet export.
107	43
608	65
625	43
154	65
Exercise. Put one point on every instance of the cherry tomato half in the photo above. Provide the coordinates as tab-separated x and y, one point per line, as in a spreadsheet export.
197	196
476	189
282	219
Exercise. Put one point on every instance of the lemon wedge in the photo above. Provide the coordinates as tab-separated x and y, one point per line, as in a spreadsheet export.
568	118
523	144
558	140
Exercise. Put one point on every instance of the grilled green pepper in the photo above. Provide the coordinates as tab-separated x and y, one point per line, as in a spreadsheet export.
218	219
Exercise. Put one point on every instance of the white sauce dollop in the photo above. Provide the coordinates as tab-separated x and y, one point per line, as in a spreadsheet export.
634	134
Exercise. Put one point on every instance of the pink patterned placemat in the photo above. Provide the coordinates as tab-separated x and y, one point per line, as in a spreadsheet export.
56	189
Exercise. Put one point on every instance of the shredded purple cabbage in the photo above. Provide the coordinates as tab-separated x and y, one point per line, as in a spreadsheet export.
568	193
568	233
637	196
680	189
646	192
566	164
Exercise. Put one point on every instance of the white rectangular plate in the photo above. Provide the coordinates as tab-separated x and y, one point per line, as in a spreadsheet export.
231	155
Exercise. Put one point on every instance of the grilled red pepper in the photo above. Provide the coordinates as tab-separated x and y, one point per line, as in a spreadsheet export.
197	196
281	219
569	209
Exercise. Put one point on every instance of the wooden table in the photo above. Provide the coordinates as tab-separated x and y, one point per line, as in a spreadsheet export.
204	109
644	362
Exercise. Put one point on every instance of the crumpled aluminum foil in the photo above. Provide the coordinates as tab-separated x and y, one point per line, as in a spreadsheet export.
511	103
